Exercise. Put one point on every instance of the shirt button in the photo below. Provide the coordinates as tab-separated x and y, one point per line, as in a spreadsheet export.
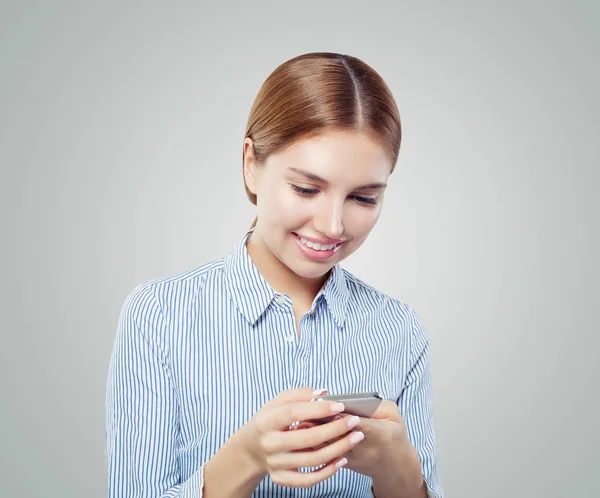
280	299
289	338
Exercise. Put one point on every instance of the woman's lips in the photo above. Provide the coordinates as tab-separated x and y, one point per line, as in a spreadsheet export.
317	251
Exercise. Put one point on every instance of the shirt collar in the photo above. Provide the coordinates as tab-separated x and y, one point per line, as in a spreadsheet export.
252	295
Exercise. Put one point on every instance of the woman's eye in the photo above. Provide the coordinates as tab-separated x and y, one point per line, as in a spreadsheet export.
371	201
368	201
304	191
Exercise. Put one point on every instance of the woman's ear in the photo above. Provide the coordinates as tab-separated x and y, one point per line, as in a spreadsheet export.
250	165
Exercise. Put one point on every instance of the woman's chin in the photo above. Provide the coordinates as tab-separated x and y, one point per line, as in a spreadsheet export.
310	271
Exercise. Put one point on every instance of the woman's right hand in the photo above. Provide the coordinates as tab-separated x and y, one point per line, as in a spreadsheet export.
281	452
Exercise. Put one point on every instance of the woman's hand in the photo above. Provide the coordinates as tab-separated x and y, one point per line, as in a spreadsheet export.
386	453
280	448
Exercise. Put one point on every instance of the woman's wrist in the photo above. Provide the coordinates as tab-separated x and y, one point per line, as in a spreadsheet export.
400	474
243	442
232	471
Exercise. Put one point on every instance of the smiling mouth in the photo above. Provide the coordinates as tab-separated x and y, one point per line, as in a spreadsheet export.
316	246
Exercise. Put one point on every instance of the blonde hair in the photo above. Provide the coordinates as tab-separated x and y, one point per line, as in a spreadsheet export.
318	92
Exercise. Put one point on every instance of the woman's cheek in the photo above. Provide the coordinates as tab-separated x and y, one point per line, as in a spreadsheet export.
360	220
292	207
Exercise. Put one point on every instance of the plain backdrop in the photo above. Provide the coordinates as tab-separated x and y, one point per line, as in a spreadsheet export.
121	129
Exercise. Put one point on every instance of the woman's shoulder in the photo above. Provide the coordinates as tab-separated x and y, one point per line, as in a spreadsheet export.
176	287
365	298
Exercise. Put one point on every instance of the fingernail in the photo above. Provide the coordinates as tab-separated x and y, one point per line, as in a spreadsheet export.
353	422
319	392
341	463
336	407
357	437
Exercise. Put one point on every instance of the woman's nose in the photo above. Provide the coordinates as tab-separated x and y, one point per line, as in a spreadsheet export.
328	219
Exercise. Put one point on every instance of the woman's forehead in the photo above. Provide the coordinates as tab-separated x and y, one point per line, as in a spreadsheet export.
332	156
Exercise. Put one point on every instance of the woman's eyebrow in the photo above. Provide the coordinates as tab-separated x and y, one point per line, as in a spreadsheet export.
317	178
371	186
310	176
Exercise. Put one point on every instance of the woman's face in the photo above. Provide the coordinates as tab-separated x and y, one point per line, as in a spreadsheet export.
318	200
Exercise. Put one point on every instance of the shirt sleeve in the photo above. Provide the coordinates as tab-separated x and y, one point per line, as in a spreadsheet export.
141	409
430	493
416	405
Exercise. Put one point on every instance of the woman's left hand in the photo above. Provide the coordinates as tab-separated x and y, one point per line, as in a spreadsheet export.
386	452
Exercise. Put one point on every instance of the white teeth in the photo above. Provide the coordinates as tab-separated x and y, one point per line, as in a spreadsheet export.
316	246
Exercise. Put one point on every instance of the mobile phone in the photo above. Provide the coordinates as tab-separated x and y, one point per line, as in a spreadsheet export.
361	404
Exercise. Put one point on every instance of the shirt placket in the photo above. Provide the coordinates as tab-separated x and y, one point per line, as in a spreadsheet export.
283	307
305	343
302	346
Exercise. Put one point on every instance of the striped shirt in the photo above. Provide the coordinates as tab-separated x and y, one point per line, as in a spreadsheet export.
198	353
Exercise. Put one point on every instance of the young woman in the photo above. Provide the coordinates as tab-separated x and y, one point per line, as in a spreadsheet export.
213	370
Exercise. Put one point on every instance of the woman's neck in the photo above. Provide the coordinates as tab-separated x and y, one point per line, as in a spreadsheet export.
279	276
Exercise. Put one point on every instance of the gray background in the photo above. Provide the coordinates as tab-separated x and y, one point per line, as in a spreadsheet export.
121	135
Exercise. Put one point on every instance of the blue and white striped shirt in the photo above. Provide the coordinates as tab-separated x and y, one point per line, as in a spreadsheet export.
198	353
